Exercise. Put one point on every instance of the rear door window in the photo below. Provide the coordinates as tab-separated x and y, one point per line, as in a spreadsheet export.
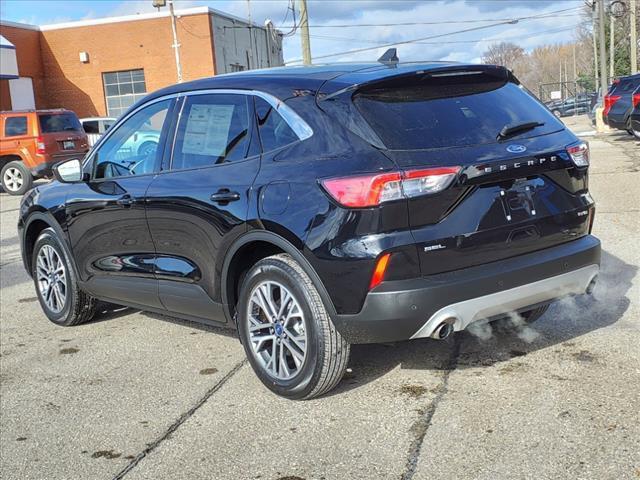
15	126
450	111
59	122
213	129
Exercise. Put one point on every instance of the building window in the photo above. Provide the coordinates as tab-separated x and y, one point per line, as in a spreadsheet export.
236	67
123	89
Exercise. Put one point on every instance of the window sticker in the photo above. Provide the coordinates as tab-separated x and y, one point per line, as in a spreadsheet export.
207	130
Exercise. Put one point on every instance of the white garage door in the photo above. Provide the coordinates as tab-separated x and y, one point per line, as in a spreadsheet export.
21	90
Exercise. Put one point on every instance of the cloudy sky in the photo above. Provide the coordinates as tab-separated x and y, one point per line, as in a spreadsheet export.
343	26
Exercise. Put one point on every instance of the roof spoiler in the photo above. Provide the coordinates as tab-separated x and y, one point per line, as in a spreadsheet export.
352	82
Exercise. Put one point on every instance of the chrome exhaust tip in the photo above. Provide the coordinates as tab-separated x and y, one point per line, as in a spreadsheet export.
443	330
592	285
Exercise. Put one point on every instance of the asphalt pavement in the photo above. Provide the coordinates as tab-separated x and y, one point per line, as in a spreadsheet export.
135	395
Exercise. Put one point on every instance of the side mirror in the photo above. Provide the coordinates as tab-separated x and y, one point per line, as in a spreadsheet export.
69	171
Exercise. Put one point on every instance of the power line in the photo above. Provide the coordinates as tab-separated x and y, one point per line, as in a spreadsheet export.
554	30
405	42
405	24
442	22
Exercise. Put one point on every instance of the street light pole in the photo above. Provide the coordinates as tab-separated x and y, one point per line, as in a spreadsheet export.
176	45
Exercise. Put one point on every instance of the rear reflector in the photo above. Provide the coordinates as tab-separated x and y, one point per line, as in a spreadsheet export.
371	190
579	154
378	273
609	101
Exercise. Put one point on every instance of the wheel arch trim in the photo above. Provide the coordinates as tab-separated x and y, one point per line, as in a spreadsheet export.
47	218
287	247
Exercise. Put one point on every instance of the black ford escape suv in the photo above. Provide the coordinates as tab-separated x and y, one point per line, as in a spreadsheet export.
317	207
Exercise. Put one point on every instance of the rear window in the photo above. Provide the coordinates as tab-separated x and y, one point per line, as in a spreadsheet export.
91	126
59	122
451	111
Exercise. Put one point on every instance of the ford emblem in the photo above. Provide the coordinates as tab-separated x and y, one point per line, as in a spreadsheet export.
516	148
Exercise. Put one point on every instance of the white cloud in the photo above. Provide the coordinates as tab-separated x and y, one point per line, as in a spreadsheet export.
375	12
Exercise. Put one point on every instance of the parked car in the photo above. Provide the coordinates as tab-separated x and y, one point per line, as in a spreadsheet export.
31	141
618	102
572	106
553	103
316	207
635	114
95	127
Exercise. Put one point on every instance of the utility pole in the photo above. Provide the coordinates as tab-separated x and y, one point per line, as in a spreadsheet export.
251	61
176	45
304	33
603	54
594	26
612	47
560	82
633	37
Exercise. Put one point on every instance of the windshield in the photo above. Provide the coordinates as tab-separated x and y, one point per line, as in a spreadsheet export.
451	112
59	122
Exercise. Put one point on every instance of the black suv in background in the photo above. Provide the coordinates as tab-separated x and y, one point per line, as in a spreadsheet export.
618	102
317	207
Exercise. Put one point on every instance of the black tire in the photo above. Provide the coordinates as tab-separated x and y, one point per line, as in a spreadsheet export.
327	352
16	169
78	307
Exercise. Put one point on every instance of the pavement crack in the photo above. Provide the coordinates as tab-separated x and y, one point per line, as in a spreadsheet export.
421	426
183	418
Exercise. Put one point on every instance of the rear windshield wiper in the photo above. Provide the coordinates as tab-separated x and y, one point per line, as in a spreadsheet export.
511	130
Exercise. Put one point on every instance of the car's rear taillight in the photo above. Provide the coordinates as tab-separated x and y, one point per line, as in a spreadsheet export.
40	146
579	154
636	99
371	190
609	101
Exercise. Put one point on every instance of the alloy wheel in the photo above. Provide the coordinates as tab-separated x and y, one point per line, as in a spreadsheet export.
13	179
277	330
52	279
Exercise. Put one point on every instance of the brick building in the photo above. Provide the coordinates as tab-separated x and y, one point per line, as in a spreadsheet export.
100	67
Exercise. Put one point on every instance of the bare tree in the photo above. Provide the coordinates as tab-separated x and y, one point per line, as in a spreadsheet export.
506	54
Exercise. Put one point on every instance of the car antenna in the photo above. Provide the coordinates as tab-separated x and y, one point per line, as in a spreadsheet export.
390	57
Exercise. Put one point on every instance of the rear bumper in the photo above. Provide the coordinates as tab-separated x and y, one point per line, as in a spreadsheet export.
617	122
45	166
405	309
42	170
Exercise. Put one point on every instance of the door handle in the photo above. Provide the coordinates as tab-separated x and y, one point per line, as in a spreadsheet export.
224	196
126	201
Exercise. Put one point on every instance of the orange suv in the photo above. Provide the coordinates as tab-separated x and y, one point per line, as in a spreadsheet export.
32	141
